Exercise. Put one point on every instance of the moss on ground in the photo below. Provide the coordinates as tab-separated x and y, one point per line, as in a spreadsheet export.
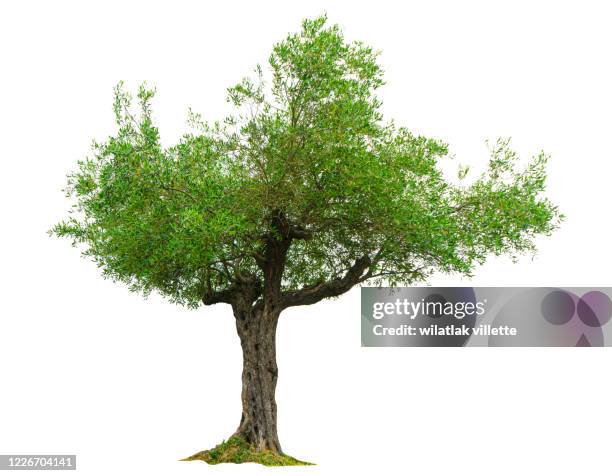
237	450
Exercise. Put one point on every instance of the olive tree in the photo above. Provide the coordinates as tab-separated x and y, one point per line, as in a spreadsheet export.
302	193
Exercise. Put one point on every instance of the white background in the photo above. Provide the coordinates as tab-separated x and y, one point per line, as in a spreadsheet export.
132	385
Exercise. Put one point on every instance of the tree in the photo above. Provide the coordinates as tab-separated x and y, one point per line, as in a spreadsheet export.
302	194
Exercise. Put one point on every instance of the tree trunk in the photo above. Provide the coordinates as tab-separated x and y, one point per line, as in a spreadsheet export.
257	331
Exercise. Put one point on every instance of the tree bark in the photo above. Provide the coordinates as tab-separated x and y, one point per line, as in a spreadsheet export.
258	424
256	324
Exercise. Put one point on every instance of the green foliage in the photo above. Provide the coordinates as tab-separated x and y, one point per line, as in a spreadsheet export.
237	450
307	143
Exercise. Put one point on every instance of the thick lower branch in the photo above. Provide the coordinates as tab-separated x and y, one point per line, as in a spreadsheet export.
313	294
245	289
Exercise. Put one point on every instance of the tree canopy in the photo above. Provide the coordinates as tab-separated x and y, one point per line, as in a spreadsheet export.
306	159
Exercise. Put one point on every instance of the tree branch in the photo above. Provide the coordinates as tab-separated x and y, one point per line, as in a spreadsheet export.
218	297
300	233
246	288
315	293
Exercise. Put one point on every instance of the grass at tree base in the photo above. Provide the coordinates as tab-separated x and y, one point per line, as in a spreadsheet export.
236	450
